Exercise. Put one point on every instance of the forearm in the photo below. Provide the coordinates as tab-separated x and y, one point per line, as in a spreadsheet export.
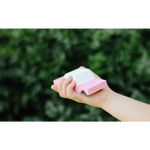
125	108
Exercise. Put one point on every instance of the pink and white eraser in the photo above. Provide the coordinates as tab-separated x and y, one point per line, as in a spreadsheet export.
85	81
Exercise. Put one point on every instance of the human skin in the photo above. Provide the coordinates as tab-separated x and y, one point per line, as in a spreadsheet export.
121	107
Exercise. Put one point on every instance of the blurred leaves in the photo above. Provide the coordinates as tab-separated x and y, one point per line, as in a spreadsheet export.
31	58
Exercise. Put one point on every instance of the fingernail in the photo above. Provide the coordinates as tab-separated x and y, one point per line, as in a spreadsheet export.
69	78
73	82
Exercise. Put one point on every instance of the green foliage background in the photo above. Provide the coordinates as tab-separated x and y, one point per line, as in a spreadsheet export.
31	58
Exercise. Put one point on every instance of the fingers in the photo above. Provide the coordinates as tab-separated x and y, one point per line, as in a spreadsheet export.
65	84
60	86
65	87
70	88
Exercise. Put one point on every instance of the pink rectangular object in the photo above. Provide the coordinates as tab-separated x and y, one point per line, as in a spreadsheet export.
89	88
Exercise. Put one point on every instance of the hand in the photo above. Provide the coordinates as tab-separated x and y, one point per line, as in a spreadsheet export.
65	90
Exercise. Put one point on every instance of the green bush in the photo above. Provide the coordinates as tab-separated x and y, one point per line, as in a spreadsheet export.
31	58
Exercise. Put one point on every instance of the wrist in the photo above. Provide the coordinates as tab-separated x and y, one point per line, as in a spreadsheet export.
110	94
